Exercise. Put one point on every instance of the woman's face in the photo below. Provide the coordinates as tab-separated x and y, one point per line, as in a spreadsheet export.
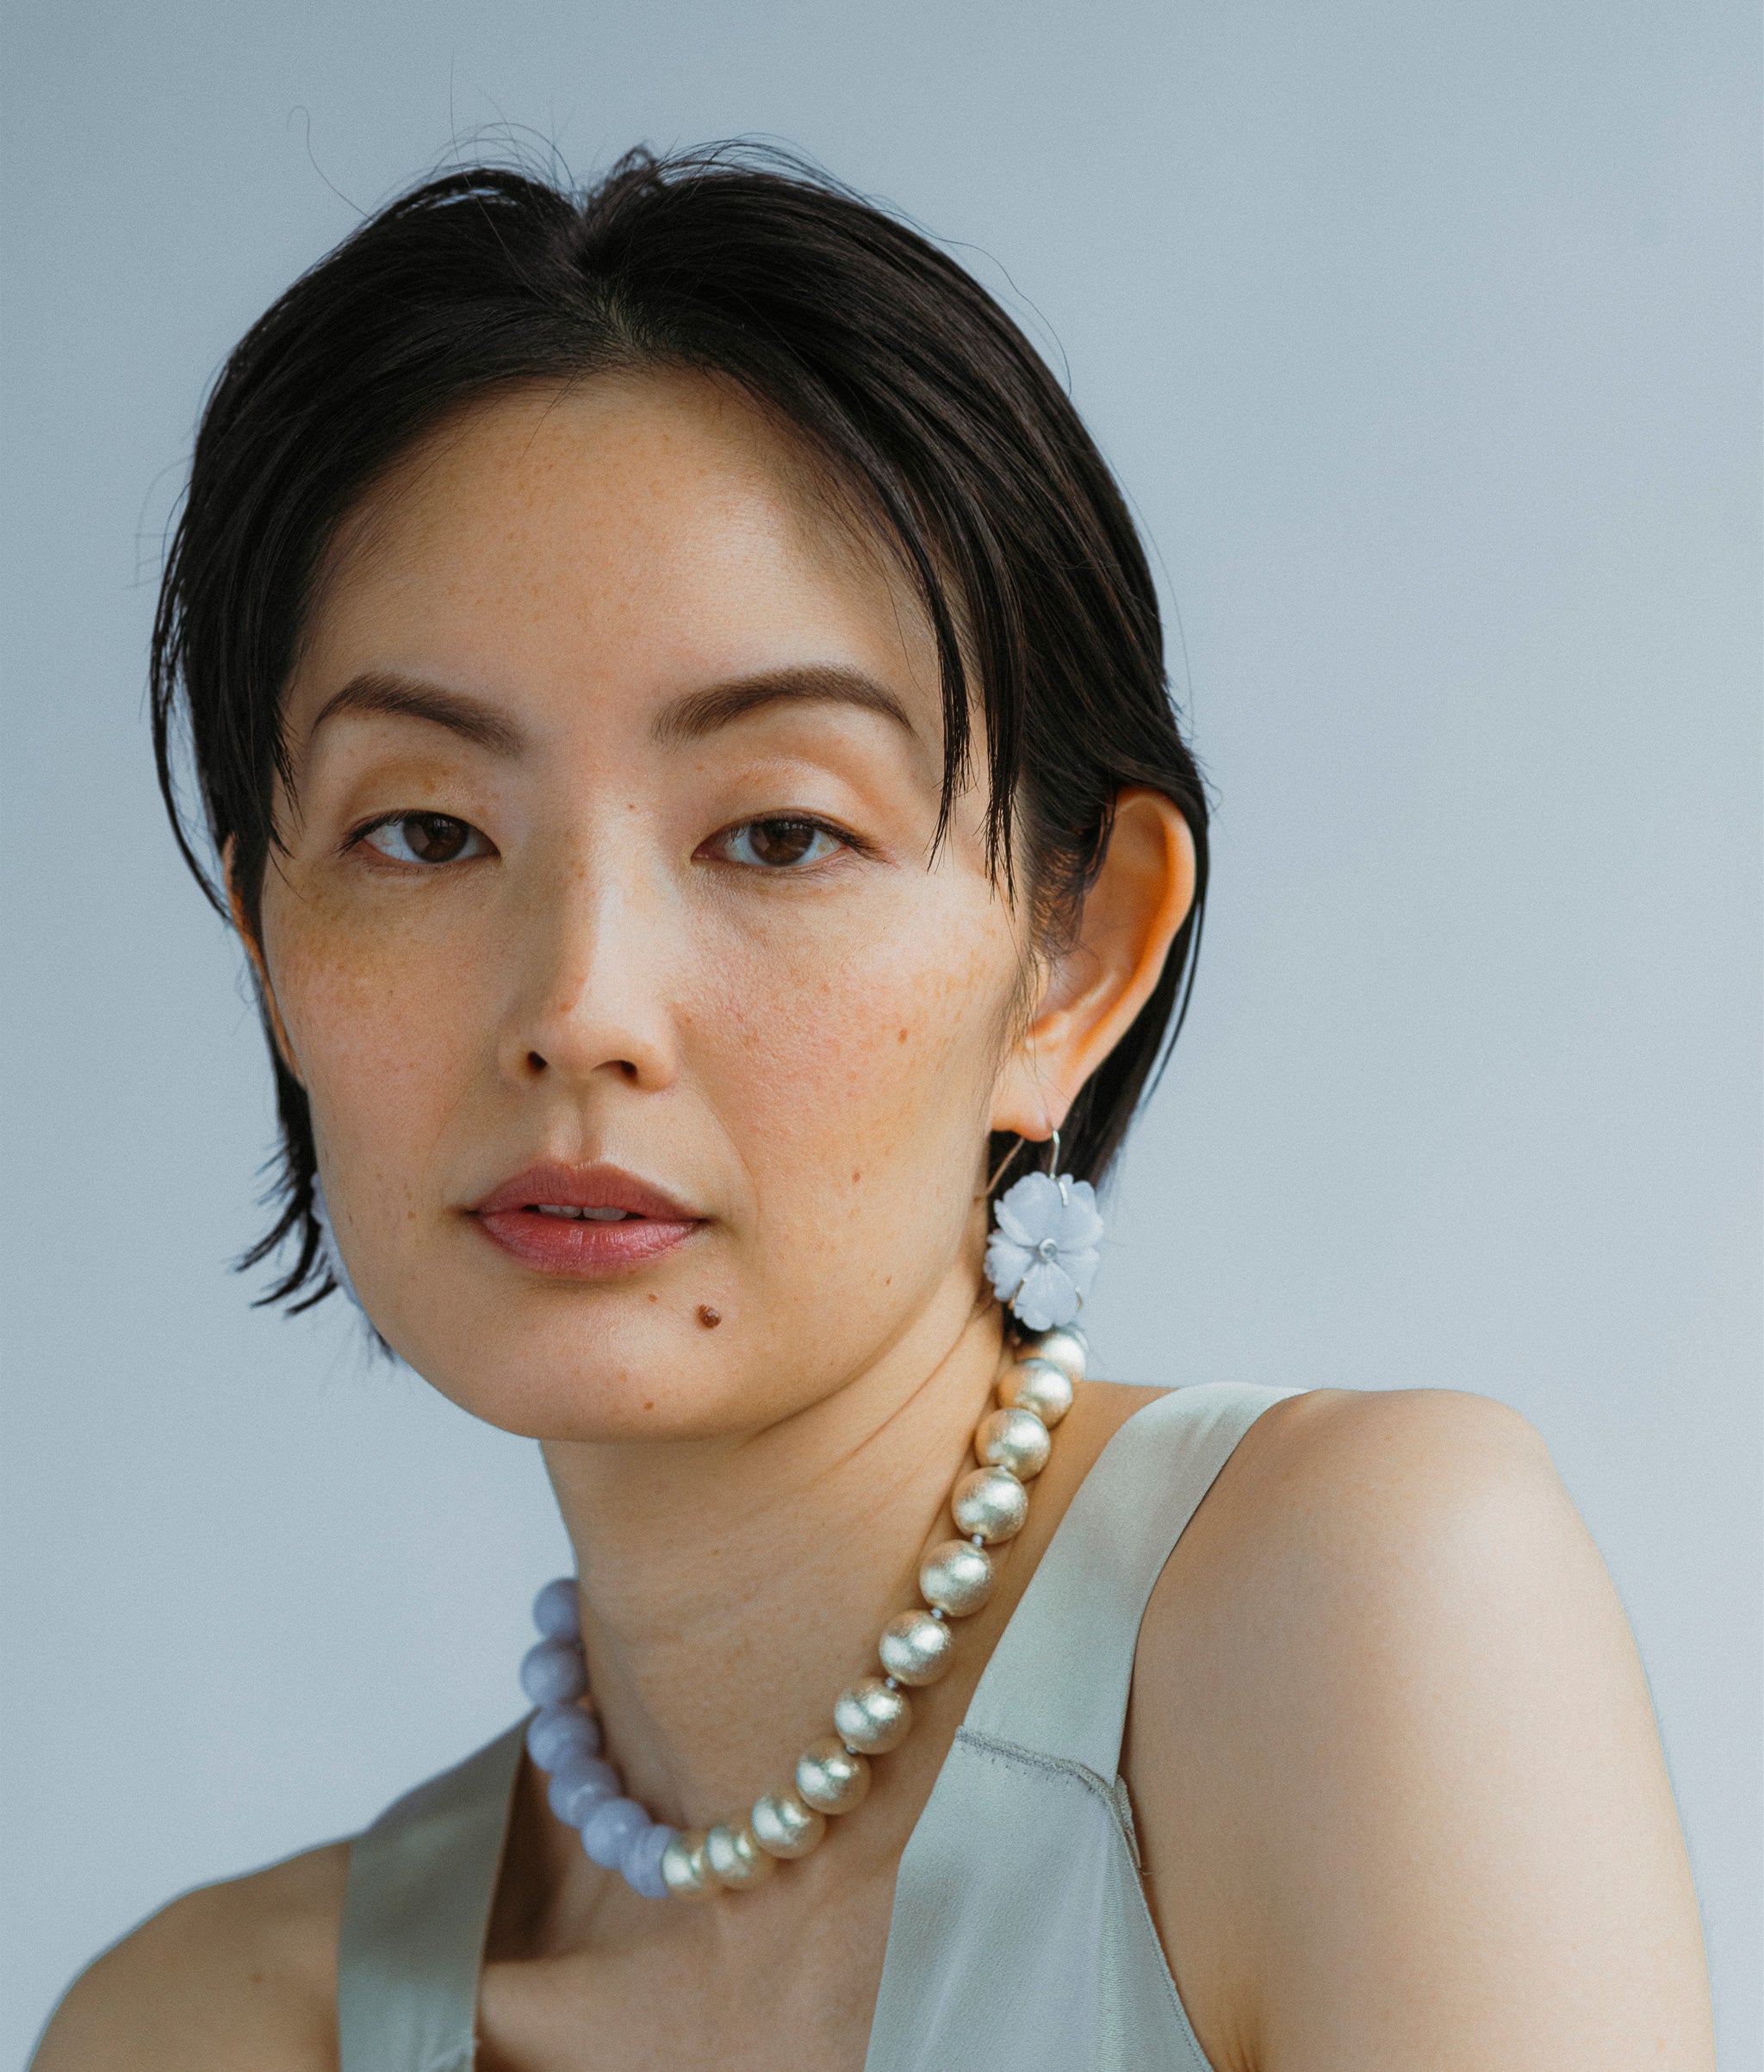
651	1051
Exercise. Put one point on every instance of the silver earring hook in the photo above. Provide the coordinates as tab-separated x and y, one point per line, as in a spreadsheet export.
999	1170
1061	1180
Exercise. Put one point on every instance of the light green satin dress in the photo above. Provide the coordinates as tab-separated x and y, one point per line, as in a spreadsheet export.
1020	1939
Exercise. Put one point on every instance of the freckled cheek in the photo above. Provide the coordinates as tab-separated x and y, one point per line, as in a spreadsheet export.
879	1060
384	1048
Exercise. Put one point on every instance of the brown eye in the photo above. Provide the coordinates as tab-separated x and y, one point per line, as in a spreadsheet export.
776	845
424	838
783	841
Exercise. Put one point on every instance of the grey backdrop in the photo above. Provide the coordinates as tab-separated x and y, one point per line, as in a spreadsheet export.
1422	336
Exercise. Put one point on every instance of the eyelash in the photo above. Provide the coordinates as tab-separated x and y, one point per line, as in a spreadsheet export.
808	822
817	827
360	838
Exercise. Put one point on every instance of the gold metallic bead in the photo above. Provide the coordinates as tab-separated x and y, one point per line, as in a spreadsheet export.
1065	1347
915	1648
871	1717
1015	1439
991	1503
737	1857
784	1826
830	1778
684	1870
1037	1385
956	1578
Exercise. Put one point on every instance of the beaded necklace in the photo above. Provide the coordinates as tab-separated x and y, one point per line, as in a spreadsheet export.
990	1504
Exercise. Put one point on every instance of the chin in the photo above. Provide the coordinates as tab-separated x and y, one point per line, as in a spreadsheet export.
610	1369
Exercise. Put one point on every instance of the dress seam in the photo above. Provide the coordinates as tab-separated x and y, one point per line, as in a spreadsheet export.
1114	1796
1111	1791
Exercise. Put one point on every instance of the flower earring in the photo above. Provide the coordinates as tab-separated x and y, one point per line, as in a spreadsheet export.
1042	1257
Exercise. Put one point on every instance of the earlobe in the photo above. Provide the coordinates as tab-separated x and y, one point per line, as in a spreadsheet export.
1095	988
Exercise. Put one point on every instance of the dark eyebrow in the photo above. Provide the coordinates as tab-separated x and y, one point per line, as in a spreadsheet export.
701	712
405	698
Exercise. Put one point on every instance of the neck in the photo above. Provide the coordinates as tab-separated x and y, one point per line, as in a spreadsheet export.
731	1588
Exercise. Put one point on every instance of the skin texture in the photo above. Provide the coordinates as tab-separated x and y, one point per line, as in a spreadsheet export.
1392	1757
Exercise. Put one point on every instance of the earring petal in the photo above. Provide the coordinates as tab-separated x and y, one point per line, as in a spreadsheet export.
1081	1267
1046	1298
1006	1264
1080	1225
1027	1212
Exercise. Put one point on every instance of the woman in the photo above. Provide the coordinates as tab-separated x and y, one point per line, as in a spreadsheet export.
676	697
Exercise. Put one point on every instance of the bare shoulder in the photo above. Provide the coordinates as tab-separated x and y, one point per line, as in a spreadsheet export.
1373	1507
1342	1513
1393	1749
1354	1466
244	1972
1352	1536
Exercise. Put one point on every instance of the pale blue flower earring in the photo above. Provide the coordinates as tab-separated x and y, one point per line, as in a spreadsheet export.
1041	1257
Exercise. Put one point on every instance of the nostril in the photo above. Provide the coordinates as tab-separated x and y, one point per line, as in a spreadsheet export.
535	1062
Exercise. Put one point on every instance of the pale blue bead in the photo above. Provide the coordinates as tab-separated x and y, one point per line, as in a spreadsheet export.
552	1671
556	1731
610	1829
642	1861
578	1785
557	1612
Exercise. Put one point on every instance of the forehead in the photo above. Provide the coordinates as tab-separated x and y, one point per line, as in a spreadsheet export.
652	530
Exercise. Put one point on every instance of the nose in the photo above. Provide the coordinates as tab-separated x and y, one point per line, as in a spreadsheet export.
590	998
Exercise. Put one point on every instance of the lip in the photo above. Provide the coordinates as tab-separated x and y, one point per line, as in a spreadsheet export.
653	1224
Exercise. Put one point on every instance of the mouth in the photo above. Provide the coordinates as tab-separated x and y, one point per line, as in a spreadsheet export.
584	1222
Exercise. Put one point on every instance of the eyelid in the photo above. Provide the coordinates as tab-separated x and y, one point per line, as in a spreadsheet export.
363	828
357	836
843	836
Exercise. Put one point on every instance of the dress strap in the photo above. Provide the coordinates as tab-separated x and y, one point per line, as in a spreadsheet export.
421	1882
1058	1678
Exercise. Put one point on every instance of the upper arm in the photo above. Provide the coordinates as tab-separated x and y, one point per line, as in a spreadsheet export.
237	1974
1402	1792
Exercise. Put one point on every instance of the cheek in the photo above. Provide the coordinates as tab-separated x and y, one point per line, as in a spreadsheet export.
380	1047
858	1069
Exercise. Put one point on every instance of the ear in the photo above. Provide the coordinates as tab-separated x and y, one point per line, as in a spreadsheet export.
1094	989
254	950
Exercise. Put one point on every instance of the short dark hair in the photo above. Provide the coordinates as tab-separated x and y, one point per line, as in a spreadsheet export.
900	372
